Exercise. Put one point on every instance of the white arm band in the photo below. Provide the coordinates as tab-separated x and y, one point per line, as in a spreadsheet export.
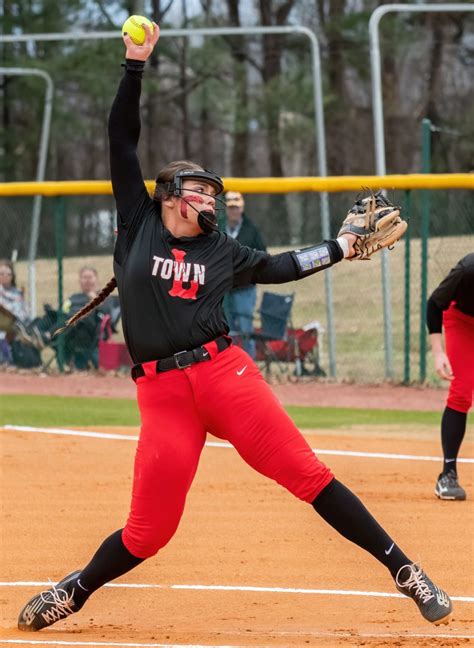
344	244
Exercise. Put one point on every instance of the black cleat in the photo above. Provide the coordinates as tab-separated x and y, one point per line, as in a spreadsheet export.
50	606
448	488
433	603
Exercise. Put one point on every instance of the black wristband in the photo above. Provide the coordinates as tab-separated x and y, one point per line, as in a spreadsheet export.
315	258
337	253
133	66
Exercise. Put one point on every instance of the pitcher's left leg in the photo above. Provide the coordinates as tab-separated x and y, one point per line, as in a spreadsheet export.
249	415
253	420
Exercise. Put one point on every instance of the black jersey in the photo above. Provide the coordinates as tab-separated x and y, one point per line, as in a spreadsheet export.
171	289
458	287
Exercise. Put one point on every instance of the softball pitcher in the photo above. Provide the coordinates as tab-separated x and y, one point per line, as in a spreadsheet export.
172	268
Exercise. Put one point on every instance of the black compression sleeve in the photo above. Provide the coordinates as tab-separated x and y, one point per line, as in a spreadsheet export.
124	132
347	514
434	316
275	268
111	560
294	265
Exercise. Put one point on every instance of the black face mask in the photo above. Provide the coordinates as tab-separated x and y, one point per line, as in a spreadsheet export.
207	221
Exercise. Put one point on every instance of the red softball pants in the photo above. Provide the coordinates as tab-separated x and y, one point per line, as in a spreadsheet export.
459	342
228	397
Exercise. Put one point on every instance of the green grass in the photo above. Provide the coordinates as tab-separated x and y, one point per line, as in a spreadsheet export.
334	417
55	411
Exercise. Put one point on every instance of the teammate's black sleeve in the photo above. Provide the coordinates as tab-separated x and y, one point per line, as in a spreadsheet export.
434	316
444	294
124	131
252	266
458	287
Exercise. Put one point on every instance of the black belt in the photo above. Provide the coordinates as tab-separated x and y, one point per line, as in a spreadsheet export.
183	359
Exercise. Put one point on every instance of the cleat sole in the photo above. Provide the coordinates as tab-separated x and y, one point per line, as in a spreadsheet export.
444	621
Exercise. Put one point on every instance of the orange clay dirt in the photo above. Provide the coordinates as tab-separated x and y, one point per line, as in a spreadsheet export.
62	495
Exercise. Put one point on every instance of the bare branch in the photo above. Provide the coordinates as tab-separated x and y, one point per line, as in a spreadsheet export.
283	12
105	13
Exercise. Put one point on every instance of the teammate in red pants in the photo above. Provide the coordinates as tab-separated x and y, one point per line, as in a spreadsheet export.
172	268
452	305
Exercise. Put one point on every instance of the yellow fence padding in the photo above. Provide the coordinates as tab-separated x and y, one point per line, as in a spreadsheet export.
260	185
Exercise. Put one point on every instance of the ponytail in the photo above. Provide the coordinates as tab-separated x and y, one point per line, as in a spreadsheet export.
103	294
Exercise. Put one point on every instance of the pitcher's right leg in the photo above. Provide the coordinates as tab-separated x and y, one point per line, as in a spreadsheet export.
167	456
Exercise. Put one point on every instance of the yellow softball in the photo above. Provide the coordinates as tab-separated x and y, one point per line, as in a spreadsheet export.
133	27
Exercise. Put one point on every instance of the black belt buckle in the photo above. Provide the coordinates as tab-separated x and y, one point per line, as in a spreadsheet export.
182	366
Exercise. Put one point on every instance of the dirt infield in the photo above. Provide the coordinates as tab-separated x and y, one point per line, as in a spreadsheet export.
314	393
286	578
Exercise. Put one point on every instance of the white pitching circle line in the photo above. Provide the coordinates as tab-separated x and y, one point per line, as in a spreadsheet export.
354	635
215	444
108	643
237	588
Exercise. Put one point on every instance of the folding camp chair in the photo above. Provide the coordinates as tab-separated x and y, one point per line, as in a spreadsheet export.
275	319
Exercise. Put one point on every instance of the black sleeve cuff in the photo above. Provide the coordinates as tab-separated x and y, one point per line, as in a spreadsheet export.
313	259
335	250
134	66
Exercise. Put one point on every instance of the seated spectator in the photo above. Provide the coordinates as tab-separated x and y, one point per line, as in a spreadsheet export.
14	313
81	345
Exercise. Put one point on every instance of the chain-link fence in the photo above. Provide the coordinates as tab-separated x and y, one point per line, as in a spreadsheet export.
78	231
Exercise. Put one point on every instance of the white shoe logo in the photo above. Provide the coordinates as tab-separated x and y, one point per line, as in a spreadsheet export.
388	551
239	372
31	610
442	598
28	615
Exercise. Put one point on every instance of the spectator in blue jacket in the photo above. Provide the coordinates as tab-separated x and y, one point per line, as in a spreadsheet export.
239	304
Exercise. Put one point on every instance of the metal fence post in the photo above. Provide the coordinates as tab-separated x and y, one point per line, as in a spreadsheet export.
59	228
425	232
407	332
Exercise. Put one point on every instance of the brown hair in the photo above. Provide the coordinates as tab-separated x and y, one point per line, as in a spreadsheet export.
103	294
9	265
167	173
87	268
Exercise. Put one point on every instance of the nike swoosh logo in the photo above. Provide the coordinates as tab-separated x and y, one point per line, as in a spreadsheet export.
388	551
241	371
